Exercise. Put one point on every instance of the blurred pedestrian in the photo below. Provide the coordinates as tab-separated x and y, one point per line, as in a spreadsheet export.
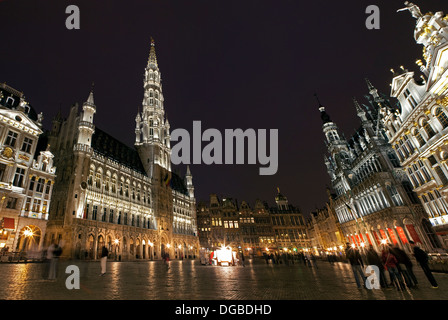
302	255
313	261
405	267
53	253
357	264
390	264
423	258
374	259
242	259
104	254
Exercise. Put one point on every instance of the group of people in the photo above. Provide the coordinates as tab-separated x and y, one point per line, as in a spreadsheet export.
392	260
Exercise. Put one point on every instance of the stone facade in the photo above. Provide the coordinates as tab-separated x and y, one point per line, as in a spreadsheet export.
257	230
374	199
27	174
417	127
126	198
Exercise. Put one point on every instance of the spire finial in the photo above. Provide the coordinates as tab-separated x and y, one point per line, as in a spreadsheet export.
317	98
152	53
369	84
90	99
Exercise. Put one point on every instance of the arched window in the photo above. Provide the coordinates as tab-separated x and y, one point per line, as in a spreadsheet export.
428	129
420	140
441	116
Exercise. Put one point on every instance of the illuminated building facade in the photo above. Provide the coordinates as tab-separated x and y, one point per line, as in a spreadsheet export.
27	174
374	199
258	229
326	232
417	129
126	198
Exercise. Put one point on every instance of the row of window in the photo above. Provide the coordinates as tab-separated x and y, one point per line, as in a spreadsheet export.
121	218
281	220
435	204
404	147
370	203
110	185
11	141
419	173
289	235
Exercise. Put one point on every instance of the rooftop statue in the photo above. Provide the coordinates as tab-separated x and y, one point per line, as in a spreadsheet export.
414	9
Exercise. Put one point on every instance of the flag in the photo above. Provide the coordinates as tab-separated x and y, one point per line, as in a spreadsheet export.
167	179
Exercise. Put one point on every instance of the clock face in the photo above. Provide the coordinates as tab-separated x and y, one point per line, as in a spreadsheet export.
83	185
7	152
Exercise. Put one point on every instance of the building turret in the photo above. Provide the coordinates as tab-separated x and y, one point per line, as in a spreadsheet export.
189	180
86	128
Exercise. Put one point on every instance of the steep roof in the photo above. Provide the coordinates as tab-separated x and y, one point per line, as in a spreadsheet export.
108	146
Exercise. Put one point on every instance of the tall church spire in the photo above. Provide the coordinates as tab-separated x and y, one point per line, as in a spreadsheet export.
152	129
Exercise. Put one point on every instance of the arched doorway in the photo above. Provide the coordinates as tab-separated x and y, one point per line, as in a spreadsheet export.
91	246
99	247
131	248
144	249
29	239
137	249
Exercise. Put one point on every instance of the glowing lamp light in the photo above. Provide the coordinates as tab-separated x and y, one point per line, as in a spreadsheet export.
168	246
28	233
363	244
116	241
353	245
383	241
151	244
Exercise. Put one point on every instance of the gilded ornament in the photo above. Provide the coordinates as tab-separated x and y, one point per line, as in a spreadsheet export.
7	152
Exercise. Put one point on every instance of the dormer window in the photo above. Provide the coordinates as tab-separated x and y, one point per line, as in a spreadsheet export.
10	101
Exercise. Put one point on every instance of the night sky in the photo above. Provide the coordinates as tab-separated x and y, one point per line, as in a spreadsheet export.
230	64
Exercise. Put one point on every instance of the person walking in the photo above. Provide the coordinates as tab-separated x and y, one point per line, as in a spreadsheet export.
357	264
390	264
374	259
104	254
242	259
53	253
404	267
423	258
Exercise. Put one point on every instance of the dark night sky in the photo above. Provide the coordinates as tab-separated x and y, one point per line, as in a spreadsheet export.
230	64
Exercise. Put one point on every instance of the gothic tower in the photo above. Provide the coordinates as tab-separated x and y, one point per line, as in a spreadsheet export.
152	131
152	141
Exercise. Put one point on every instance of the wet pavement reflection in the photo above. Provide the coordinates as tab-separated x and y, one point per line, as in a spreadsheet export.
189	280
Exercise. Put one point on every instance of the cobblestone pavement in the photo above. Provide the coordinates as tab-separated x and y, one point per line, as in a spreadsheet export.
189	280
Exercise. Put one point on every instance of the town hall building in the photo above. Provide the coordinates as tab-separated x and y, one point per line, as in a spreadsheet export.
125	198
